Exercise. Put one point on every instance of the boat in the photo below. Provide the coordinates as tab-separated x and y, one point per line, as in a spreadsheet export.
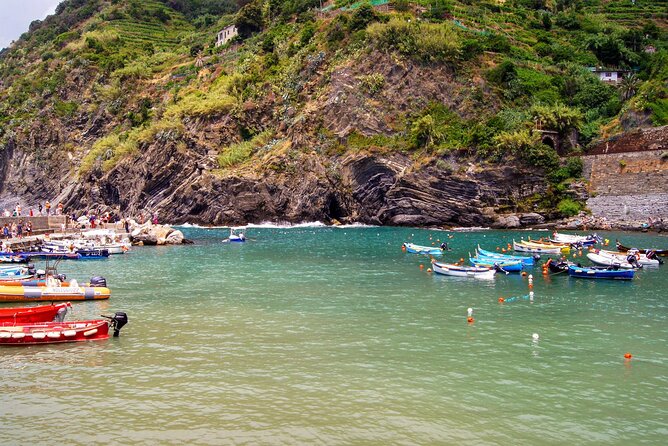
646	251
9	258
235	237
526	260
417	249
502	265
538	249
449	269
41	313
558	266
632	256
593	272
53	291
59	332
609	261
578	240
91	254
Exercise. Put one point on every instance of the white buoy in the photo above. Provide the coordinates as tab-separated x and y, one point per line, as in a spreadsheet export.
530	296
470	311
535	336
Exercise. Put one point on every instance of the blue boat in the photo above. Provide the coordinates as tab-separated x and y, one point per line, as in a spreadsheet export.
527	261
91	254
501	264
594	272
417	249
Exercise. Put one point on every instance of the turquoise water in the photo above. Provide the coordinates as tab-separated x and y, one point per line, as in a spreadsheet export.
313	335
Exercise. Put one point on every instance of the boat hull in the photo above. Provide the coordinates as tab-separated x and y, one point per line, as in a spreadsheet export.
608	261
53	332
505	265
535	249
417	249
447	269
600	273
51	293
27	315
527	261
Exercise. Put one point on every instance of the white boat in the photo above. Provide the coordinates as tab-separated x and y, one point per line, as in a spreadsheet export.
449	269
572	239
535	248
624	257
608	261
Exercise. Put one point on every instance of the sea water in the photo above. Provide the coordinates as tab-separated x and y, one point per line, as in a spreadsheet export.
321	335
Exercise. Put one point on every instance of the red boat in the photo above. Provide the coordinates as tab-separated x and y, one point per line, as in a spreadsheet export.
59	332
29	315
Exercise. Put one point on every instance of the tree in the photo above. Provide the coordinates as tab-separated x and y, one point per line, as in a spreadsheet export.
628	86
249	19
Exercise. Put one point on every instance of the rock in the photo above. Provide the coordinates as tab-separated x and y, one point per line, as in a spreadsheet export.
507	221
531	219
175	238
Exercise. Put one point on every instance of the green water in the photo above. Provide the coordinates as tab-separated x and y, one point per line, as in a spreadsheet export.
335	336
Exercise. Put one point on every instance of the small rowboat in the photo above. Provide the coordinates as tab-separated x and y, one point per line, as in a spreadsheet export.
42	313
593	272
417	249
449	269
527	261
538	248
583	240
503	265
24	293
633	257
59	332
659	252
608	261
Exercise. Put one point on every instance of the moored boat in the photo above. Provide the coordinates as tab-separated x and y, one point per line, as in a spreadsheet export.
526	260
40	313
646	251
632	257
417	249
608	261
502	265
59	332
571	239
54	293
449	269
538	248
593	272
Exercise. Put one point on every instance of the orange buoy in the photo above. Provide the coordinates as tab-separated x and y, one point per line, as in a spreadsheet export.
501	300
531	286
421	266
524	273
497	248
470	320
503	249
461	260
628	355
428	270
403	247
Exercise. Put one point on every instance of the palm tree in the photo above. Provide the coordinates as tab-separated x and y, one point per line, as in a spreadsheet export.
628	86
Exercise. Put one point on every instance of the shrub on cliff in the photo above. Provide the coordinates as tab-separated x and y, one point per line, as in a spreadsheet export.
568	207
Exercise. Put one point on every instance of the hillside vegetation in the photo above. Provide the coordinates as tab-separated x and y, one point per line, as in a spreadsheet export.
102	80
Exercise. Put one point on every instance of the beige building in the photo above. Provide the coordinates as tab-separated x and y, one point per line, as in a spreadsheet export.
226	34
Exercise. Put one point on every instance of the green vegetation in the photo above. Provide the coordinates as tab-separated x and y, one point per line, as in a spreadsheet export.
506	71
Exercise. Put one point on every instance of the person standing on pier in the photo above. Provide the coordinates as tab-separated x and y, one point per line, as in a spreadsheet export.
47	205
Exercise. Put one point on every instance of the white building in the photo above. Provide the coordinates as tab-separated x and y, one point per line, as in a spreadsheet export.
226	34
609	75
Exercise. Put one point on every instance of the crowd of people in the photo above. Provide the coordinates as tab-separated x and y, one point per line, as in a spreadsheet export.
32	212
17	229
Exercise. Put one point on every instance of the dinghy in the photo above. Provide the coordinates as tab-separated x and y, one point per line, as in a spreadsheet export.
593	272
449	269
417	249
59	332
40	313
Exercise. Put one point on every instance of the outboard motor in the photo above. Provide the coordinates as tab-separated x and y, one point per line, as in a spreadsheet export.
631	258
98	281
536	256
61	277
117	321
651	255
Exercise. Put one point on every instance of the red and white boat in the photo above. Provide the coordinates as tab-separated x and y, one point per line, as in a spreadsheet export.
29	315
59	332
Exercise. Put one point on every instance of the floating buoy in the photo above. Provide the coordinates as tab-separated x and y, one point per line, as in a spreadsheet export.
470	320
501	300
421	266
461	260
497	248
403	247
502	249
531	296
524	273
531	286
469	312
428	270
628	355
535	336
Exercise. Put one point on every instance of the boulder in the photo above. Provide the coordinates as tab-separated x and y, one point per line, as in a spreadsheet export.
531	219
175	238
507	221
149	234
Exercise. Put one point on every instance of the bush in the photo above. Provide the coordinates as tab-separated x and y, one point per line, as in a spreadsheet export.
568	207
238	153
